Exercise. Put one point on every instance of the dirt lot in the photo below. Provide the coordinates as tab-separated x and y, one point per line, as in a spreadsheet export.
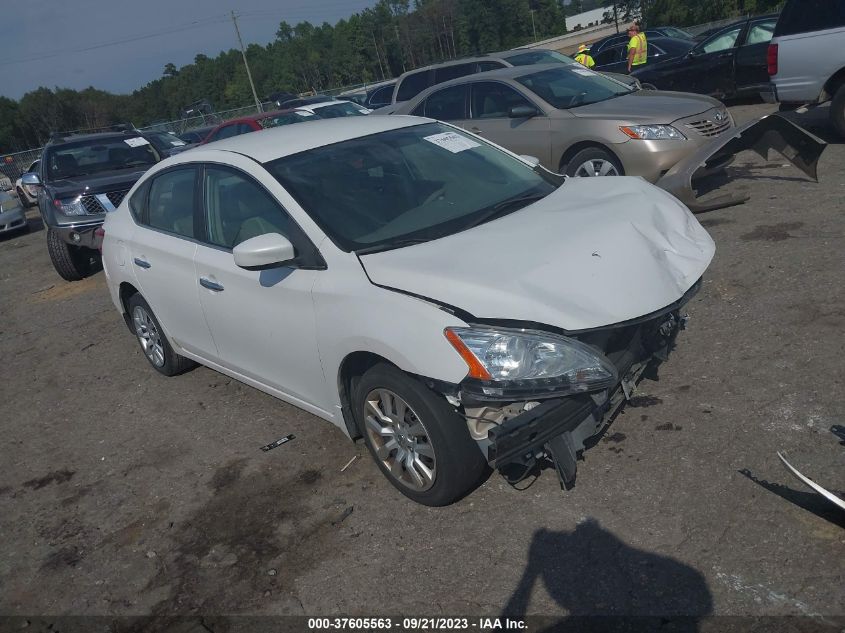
123	492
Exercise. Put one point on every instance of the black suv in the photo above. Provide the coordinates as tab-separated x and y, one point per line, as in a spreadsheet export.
80	179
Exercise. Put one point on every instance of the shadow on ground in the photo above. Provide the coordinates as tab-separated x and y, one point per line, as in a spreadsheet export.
589	572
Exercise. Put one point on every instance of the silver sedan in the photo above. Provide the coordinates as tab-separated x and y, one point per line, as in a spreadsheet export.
576	121
12	215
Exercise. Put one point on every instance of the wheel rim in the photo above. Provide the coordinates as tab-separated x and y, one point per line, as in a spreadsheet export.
148	336
596	167
400	440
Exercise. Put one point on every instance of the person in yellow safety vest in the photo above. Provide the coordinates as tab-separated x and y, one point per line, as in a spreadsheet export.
637	47
583	56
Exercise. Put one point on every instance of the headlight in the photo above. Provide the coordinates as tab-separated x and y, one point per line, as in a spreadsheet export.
70	206
522	362
653	132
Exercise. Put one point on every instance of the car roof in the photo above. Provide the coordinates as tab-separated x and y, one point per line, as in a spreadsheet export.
277	142
76	138
322	104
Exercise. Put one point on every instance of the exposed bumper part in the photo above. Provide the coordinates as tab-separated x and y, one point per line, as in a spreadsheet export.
560	427
80	234
771	132
813	485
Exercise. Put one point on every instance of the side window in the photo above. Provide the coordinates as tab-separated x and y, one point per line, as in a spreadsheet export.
225	132
448	104
245	128
722	42
381	97
608	56
804	16
412	85
238	208
760	33
138	202
419	110
452	72
492	100
171	202
655	51
485	66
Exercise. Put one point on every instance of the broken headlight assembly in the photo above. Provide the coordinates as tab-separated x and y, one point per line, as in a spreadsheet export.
506	364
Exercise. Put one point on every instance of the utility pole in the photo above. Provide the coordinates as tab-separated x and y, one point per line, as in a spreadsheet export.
378	55
246	64
399	43
533	28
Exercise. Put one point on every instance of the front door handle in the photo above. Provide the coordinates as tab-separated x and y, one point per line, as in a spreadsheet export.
143	263
205	282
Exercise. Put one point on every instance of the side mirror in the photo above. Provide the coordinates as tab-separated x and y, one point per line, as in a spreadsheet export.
522	112
31	179
264	251
531	160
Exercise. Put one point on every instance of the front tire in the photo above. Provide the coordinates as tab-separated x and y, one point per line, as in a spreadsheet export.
71	262
420	444
837	111
593	161
153	341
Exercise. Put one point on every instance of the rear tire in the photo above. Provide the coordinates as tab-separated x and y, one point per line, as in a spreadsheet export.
71	262
593	161
152	339
420	444
837	111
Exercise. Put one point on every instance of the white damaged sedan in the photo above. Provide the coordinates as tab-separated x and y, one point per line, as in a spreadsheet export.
439	296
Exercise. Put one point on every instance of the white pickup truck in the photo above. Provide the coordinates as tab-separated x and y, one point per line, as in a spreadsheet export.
806	57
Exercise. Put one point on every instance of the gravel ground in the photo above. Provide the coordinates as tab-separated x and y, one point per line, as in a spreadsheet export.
124	493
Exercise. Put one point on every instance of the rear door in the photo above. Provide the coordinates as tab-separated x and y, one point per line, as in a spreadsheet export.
161	253
751	67
490	105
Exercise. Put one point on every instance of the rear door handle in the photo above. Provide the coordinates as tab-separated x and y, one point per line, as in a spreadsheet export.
143	263
205	282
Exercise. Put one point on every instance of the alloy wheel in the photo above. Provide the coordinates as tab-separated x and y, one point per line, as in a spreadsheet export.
596	167
148	336
400	439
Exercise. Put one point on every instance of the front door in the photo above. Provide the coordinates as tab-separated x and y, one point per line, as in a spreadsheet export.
752	73
161	254
710	67
490	106
262	321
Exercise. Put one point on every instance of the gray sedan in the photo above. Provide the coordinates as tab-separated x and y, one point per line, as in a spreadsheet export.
12	215
575	121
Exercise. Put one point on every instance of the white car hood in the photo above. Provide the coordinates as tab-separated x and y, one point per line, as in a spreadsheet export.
596	252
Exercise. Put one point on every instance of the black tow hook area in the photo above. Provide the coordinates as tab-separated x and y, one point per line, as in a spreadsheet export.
563	455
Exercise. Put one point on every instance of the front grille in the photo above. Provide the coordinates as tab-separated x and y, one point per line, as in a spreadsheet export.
116	197
92	205
711	126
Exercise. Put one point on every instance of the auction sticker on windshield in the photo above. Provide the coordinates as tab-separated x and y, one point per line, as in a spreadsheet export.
453	142
136	142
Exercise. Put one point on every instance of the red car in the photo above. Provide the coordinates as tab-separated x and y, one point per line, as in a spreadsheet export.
256	122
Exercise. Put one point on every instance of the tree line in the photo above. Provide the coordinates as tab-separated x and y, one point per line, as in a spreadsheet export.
377	43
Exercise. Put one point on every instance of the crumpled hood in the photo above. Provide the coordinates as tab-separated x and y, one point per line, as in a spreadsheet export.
652	106
596	252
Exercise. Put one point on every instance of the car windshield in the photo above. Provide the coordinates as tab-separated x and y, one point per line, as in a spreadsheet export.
288	118
99	155
408	185
566	88
539	57
337	110
166	140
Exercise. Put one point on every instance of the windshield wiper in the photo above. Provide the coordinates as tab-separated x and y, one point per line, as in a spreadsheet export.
391	244
506	206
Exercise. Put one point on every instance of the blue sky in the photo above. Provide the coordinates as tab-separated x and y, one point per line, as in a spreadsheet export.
56	30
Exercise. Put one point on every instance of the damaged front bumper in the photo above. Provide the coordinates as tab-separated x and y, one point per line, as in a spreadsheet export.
772	132
559	428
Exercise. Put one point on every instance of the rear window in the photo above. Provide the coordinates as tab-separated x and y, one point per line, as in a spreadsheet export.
413	85
803	16
453	72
